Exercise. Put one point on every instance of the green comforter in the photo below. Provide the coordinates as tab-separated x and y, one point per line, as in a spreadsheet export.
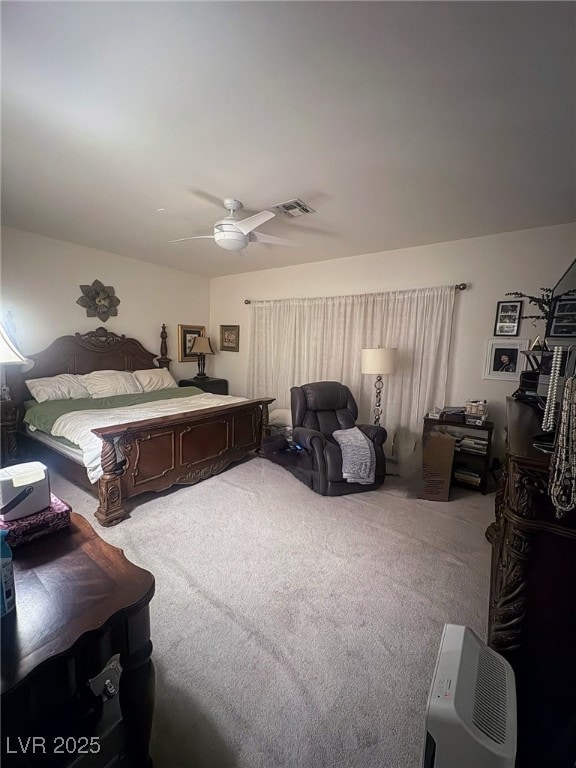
43	415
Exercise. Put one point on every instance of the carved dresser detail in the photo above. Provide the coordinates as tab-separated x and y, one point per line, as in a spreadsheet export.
532	612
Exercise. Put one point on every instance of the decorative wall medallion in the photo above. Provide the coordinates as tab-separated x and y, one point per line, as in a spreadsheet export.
99	300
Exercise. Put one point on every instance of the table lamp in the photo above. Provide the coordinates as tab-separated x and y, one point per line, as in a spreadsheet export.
202	347
9	355
379	361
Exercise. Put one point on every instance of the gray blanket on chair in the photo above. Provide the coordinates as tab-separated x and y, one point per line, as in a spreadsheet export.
358	455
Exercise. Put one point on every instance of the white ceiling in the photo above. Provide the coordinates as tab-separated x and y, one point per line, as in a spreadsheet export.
401	123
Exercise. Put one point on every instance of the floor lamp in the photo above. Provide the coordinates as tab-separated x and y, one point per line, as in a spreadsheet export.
380	362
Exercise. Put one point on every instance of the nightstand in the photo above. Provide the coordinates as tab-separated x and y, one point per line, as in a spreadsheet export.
207	384
79	636
10	411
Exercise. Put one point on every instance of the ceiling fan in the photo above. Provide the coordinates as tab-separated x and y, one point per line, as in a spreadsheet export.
234	234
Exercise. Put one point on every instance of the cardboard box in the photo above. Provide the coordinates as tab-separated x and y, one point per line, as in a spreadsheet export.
24	490
437	459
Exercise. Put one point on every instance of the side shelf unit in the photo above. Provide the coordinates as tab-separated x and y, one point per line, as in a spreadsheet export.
471	465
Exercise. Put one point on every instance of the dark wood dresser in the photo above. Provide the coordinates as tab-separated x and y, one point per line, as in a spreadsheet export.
532	614
77	677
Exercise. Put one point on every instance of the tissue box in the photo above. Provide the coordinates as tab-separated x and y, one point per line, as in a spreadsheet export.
24	490
48	520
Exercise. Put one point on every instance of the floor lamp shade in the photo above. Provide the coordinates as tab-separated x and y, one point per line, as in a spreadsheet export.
379	361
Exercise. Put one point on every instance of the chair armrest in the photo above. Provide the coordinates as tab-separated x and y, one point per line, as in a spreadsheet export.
377	434
304	437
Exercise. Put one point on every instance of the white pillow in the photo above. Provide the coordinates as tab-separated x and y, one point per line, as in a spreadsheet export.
110	383
153	379
65	386
281	417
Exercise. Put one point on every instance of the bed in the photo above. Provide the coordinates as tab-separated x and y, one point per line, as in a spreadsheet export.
140	454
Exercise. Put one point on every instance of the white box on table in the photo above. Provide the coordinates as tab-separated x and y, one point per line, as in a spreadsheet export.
24	490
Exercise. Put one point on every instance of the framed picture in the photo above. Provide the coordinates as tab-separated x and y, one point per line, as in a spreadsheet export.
186	335
562	321
504	359
508	315
229	338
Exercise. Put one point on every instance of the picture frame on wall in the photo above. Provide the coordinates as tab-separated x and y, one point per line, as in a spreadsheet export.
229	338
186	335
508	316
504	359
562	322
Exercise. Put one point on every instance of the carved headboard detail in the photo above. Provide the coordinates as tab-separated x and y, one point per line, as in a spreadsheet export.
96	350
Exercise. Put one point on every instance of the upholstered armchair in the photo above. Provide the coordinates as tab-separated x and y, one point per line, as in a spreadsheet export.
318	410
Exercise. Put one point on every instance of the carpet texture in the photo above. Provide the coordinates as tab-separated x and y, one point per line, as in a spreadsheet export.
297	630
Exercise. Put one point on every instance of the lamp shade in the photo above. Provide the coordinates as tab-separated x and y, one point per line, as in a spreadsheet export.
9	355
202	346
379	361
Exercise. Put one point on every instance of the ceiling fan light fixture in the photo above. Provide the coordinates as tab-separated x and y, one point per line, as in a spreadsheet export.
229	238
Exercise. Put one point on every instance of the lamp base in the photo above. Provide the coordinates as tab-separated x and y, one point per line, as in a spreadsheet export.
201	375
201	366
378	384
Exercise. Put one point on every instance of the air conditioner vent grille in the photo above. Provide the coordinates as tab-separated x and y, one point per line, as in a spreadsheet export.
294	207
490	697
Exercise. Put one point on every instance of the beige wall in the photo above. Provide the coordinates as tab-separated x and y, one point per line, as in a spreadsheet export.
41	278
40	285
516	261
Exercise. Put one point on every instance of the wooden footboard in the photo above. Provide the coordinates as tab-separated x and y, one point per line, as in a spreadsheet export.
180	449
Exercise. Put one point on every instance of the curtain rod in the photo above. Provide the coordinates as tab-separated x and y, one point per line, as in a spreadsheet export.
458	286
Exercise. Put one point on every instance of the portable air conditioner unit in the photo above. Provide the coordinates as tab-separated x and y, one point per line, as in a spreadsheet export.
471	712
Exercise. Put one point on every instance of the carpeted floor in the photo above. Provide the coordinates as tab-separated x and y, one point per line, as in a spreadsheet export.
296	630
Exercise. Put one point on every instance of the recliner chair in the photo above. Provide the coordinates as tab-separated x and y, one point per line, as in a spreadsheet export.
318	409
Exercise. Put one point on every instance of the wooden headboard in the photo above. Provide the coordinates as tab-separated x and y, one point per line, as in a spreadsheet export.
85	352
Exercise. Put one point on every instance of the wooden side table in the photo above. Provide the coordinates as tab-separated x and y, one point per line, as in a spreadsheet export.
10	412
471	462
207	384
79	602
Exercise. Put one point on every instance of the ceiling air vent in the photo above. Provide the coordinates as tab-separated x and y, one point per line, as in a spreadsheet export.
292	208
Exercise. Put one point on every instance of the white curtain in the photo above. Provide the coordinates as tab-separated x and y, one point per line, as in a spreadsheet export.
296	341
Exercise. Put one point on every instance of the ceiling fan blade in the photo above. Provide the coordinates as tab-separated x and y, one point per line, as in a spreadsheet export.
260	237
247	225
197	237
200	193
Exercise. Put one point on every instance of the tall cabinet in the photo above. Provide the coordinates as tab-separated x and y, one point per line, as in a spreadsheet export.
532	613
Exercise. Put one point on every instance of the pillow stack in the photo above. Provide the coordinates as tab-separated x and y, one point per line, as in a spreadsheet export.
68	386
154	379
110	383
